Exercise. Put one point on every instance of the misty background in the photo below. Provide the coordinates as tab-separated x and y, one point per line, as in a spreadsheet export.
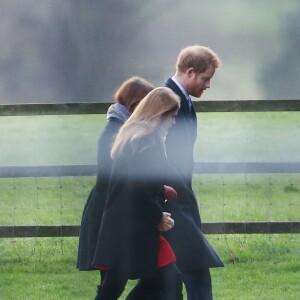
81	50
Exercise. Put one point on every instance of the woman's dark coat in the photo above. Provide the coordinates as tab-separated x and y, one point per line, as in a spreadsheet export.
128	238
193	252
93	210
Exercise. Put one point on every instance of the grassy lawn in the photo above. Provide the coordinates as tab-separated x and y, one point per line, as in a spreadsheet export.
236	137
222	198
257	266
248	137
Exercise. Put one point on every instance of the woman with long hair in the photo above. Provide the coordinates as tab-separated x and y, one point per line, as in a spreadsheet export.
126	98
130	244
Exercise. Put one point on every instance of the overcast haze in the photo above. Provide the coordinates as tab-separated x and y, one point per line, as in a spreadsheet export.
80	51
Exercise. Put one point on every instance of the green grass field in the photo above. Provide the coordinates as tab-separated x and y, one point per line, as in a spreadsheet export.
222	198
236	137
262	267
257	266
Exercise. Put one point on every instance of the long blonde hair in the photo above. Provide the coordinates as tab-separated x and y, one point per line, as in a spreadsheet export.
146	118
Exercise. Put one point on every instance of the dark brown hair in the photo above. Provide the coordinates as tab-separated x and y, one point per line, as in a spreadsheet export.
132	91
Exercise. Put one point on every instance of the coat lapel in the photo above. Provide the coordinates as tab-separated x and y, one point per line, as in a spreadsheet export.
190	117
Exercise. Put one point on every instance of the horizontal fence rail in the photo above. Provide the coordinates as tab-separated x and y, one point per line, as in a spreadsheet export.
208	228
101	108
200	167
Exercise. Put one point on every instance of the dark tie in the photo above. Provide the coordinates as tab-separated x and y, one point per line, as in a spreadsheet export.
190	103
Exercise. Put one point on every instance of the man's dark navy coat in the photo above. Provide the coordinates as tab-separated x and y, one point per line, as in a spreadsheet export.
192	250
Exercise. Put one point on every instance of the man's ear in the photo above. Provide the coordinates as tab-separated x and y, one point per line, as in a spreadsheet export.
190	72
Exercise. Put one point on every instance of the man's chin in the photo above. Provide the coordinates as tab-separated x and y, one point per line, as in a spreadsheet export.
198	95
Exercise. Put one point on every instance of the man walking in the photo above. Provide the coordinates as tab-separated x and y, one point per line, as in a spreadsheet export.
195	68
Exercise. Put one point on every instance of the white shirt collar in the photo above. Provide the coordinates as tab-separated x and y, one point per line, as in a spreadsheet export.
185	93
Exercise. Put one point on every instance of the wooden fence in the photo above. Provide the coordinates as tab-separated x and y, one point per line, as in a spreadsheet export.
204	168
